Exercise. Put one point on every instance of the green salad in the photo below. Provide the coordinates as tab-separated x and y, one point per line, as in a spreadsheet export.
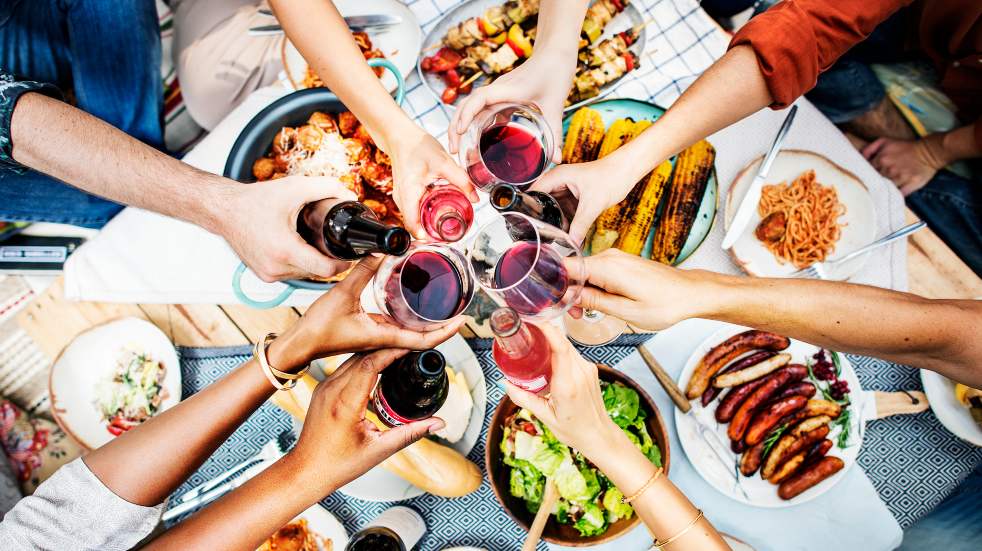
587	499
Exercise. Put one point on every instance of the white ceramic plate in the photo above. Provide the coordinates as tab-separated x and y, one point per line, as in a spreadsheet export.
760	492
859	219
90	359
630	17
953	414
400	43
324	524
379	484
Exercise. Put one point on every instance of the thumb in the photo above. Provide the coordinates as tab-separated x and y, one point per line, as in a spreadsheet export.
398	438
556	125
457	176
580	226
873	148
532	402
592	298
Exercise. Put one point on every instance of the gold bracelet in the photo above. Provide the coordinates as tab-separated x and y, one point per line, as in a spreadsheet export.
637	494
659	545
275	375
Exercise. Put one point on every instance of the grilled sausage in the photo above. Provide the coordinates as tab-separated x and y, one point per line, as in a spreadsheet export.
815	473
774	381
810	424
713	391
788	468
750	460
737	446
727	351
803	388
767	418
817	452
730	403
789	445
811	409
753	372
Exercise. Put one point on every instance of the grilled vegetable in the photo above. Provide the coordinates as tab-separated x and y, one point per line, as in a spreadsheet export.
605	229
692	170
640	217
586	131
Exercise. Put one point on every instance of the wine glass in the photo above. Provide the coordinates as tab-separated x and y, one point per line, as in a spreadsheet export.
509	143
594	328
424	288
532	267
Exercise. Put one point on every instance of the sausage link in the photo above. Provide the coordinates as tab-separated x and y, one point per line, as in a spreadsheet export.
741	419
817	452
731	402
787	468
753	372
750	460
767	418
712	391
789	445
810	424
802	388
807	478
727	351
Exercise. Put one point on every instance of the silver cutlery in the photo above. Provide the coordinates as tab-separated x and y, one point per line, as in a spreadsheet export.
269	452
216	492
821	270
752	197
355	23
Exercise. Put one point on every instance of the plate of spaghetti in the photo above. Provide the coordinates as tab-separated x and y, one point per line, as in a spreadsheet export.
810	210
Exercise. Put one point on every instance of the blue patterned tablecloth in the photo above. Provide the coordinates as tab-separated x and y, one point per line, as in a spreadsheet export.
913	462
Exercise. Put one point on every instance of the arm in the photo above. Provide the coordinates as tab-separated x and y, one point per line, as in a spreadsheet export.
912	163
258	220
182	437
544	79
337	445
417	158
575	413
940	335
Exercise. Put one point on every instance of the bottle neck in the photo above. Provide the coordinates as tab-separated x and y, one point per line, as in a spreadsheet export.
353	227
535	204
513	337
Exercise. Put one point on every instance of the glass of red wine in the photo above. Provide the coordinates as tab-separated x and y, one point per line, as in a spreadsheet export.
532	267
445	212
509	143
424	288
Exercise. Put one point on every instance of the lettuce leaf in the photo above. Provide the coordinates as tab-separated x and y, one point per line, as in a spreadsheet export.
621	403
593	522
540	454
615	508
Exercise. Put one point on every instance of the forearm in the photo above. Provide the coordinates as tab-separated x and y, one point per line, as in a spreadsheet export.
558	33
148	463
955	145
731	89
663	508
940	335
338	61
75	147
244	518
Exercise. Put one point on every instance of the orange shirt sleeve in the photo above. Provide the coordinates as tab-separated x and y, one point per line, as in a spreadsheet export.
795	40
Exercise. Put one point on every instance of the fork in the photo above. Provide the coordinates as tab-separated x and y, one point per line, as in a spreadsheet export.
820	270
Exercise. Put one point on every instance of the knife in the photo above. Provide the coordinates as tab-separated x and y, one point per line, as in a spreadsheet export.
355	23
752	197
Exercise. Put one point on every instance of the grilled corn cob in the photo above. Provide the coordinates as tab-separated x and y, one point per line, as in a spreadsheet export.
692	170
633	233
586	131
606	226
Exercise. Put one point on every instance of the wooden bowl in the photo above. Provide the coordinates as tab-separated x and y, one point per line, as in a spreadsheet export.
565	534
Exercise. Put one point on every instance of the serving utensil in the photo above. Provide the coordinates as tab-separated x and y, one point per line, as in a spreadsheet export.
750	200
821	270
707	434
549	498
355	23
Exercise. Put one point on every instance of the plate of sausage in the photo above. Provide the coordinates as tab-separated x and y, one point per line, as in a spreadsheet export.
780	418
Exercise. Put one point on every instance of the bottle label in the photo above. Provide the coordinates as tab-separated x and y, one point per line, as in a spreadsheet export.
405	522
385	412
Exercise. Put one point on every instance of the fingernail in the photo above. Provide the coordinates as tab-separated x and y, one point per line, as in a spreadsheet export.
436	425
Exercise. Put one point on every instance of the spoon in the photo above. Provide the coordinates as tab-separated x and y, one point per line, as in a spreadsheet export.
551	495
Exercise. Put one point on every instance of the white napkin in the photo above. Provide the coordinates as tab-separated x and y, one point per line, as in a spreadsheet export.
848	516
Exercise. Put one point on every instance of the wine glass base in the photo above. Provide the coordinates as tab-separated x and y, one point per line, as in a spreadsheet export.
594	330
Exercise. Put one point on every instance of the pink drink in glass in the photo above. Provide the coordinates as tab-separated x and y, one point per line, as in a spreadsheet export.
446	213
521	351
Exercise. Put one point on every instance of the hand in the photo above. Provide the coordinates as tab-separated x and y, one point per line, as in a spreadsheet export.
536	81
596	186
574	410
910	164
259	222
642	292
417	160
337	444
336	324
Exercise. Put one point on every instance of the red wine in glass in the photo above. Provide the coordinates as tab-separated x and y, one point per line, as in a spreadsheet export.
521	351
429	285
531	277
446	213
509	153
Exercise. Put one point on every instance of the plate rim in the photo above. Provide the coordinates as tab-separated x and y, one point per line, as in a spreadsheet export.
729	329
975	440
728	207
52	396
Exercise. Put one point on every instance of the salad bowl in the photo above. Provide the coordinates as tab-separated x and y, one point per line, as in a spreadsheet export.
556	533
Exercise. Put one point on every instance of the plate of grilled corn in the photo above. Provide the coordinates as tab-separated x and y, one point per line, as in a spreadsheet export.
669	213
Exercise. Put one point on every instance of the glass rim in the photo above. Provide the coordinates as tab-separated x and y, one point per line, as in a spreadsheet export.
439	249
538	249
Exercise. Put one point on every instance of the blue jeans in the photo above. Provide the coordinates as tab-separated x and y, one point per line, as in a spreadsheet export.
956	525
105	54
